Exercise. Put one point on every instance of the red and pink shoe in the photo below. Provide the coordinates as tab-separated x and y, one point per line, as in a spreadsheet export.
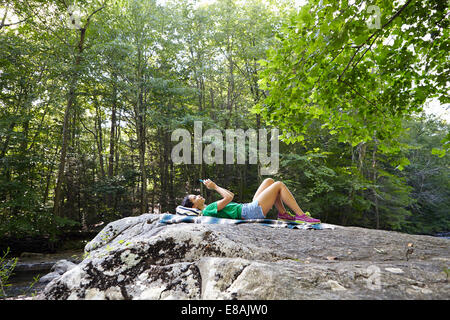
285	216
304	218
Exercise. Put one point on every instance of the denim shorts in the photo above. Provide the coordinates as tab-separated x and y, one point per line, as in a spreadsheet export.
252	210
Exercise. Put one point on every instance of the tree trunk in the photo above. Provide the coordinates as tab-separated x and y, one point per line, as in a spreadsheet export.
62	159
212	111
375	178
171	177
117	155
230	91
162	175
141	147
67	113
65	134
139	113
100	136
112	135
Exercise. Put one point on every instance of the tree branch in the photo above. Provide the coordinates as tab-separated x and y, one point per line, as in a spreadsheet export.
11	24
3	24
90	16
360	58
359	94
348	64
93	133
371	36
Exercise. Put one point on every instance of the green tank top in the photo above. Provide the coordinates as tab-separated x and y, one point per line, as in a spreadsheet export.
232	210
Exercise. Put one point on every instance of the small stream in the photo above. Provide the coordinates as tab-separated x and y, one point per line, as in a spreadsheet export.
34	266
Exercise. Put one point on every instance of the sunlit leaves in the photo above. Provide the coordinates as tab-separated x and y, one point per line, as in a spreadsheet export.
360	80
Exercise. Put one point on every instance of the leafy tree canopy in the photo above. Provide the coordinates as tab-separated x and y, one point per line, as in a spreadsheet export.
357	67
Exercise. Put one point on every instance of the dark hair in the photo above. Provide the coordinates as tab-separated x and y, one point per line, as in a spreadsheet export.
187	202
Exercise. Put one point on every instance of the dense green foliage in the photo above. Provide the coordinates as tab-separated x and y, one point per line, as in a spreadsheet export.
357	80
87	110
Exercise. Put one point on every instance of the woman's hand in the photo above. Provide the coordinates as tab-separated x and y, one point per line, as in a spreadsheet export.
227	195
210	184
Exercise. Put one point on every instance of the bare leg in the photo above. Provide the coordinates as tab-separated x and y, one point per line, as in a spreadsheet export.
268	197
264	185
279	205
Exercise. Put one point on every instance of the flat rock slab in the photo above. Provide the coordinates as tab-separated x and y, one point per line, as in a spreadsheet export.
137	258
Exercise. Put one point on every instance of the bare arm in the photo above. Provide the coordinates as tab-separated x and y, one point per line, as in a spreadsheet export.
226	194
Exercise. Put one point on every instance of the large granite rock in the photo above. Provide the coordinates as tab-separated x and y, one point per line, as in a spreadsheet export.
137	258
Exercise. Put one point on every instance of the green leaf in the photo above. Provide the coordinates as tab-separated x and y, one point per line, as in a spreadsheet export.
438	152
402	163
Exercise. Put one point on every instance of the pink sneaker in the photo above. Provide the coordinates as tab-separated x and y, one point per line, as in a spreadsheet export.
285	216
305	218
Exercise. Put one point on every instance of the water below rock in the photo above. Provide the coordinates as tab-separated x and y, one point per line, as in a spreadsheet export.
31	267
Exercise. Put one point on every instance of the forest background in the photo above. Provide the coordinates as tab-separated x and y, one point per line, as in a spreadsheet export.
92	90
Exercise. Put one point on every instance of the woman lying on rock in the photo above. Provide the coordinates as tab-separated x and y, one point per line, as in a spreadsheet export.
268	194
